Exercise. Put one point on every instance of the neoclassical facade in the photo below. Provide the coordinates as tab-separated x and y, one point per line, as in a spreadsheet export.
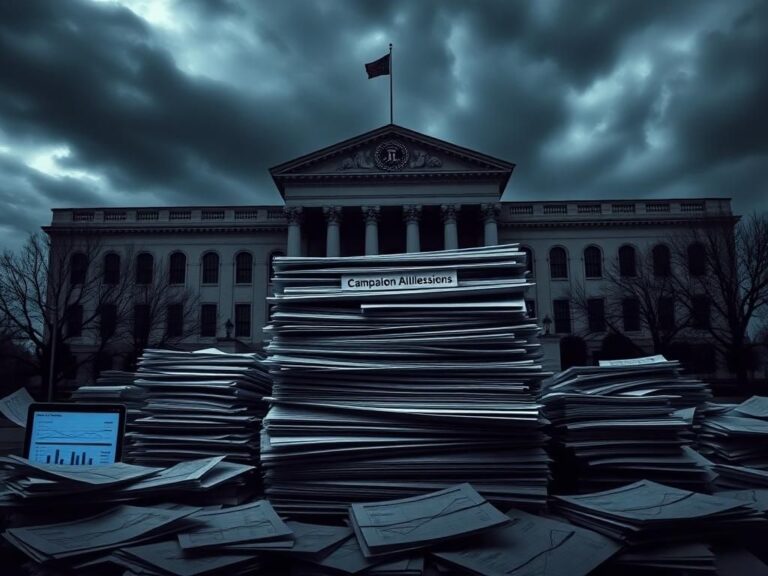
386	191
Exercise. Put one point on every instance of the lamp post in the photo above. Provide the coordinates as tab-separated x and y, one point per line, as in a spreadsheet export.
547	321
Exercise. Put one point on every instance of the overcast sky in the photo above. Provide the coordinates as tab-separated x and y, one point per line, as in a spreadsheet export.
163	102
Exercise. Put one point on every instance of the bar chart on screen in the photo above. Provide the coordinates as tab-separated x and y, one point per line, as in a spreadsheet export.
74	438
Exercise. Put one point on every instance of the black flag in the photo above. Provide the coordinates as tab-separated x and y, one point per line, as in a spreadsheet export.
378	67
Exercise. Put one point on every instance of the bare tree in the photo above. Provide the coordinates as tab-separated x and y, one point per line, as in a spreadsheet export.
61	293
649	285
52	292
725	276
163	315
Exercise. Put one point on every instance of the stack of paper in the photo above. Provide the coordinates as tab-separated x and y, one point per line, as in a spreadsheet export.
649	376
70	542
649	513
31	483
530	544
612	425
395	375
735	438
114	387
166	558
199	404
671	559
414	523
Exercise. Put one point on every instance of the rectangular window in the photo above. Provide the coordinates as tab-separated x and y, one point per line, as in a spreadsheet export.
242	320
210	268
111	269
700	312
141	322
243	268
593	262
208	320
145	267
108	321
75	320
630	308
177	273
666	313
175	320
596	314
562	311
530	308
79	268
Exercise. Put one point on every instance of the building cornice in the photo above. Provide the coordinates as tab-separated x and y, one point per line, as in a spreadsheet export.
113	230
615	222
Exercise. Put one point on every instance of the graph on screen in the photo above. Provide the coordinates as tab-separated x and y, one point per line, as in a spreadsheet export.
74	438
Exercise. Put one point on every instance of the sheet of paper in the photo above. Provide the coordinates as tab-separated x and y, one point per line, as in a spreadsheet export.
15	406
531	545
250	522
409	523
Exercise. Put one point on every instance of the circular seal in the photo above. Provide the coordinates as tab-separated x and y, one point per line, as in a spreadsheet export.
391	155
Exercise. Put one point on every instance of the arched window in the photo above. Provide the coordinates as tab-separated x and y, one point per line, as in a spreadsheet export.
697	259
211	268
112	268
593	262
177	268
661	261
627	261
528	260
558	263
78	268
145	264
243	268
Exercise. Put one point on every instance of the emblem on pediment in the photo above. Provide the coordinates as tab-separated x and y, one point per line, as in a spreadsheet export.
391	155
422	159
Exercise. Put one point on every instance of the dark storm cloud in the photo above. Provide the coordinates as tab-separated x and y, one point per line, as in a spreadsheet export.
191	101
722	114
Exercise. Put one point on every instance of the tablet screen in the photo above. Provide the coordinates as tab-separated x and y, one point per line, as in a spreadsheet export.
74	438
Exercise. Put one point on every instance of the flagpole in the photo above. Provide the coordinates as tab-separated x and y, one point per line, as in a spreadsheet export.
391	109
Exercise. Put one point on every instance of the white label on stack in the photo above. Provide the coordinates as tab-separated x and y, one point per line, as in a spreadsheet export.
634	361
400	281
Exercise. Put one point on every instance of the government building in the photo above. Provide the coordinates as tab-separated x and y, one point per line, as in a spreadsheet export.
386	191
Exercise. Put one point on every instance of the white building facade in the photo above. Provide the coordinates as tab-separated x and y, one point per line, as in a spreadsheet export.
386	191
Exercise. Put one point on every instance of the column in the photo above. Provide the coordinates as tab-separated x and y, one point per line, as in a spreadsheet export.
333	237
490	213
294	216
371	217
412	215
450	230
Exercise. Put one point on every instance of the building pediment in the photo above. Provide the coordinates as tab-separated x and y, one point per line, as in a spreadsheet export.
392	153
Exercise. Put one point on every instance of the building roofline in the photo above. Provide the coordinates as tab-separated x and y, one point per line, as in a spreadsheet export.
172	207
246	206
330	149
602	200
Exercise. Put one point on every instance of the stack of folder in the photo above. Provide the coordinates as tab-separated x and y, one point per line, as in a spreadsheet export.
649	376
735	438
611	425
32	485
199	404
395	375
650	514
114	387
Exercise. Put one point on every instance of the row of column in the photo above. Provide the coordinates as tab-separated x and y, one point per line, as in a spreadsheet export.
371	214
